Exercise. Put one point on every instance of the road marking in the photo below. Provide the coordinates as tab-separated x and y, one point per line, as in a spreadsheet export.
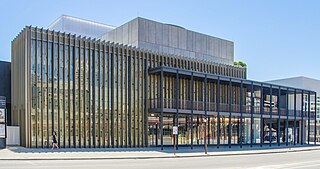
291	165
30	162
304	166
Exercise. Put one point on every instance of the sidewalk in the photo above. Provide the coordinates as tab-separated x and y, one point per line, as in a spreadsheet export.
21	153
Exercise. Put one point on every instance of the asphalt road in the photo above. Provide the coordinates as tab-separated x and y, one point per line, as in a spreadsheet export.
291	160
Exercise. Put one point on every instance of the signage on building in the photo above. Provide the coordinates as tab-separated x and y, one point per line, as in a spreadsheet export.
175	130
2	123
2	117
2	131
2	102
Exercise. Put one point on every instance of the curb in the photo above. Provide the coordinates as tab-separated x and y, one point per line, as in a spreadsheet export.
161	157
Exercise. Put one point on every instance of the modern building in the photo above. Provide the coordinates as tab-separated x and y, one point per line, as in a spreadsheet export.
305	83
130	86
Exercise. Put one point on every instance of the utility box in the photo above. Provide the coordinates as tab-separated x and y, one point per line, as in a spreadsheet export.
13	136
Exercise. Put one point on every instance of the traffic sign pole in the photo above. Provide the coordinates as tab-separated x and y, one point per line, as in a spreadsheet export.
174	144
205	136
175	134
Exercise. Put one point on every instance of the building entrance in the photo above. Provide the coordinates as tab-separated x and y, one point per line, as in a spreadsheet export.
281	131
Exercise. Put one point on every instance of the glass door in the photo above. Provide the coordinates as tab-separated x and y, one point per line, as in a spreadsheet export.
153	130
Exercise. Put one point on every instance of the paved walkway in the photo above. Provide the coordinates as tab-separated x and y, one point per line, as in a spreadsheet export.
21	153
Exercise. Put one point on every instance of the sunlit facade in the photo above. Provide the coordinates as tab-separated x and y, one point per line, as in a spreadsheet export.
101	94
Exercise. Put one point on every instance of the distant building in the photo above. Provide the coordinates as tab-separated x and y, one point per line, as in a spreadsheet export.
304	83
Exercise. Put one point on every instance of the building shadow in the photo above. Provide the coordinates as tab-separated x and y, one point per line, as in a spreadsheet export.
167	149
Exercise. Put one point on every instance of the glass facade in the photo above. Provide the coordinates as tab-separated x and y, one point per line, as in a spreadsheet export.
225	111
91	94
100	94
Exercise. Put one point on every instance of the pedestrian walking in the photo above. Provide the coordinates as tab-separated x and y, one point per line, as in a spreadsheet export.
54	140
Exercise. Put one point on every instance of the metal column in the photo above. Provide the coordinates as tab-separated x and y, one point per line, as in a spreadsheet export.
309	117
112	97
146	105
279	112
161	107
261	117
251	112
270	120
302	122
241	102
205	114
129	102
287	120
177	106
74	95
230	110
315	118
218	110
295	118
192	95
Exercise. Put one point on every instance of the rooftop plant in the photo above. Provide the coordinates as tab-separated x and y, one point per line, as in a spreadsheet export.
240	63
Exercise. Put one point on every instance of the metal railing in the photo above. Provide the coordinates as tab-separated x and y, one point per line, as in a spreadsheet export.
212	106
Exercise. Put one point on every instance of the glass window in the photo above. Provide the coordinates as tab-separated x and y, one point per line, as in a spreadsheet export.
224	124
97	98
76	96
61	92
92	101
50	92
82	97
235	130
71	96
34	94
106	96
256	130
55	90
184	131
45	94
39	93
67	97
213	128
153	130
87	97
247	130
167	130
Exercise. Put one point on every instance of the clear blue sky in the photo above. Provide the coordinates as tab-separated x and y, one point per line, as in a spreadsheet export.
277	39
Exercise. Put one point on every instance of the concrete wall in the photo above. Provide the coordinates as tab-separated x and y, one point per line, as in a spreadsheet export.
125	34
21	104
172	39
